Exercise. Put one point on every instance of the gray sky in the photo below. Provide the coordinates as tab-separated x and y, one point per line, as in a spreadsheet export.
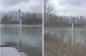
24	5
62	7
69	7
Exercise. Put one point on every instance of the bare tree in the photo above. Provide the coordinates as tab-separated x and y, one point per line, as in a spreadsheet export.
47	7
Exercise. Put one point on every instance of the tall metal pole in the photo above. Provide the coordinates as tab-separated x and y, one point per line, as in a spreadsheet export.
20	27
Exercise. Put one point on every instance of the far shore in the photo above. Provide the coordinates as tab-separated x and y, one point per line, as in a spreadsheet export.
23	25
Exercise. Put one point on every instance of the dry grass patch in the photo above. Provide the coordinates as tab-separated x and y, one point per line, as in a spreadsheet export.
54	46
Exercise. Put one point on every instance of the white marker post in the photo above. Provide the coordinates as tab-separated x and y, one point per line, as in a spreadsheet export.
72	31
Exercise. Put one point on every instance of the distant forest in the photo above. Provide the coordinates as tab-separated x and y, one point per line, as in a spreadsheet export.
53	20
49	19
57	21
27	18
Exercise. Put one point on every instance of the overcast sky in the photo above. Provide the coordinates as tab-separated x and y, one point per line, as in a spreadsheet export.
24	5
70	7
62	7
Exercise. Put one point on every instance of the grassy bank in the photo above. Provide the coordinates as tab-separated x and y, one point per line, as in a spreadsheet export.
54	46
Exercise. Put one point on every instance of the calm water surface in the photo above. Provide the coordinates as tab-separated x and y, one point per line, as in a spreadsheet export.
78	32
30	41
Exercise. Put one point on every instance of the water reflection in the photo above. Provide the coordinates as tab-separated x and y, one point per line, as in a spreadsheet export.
30	41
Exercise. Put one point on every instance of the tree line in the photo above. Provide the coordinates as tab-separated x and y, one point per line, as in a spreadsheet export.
27	18
51	19
55	20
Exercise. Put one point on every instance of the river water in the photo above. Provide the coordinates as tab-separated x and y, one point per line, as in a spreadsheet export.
79	33
31	39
